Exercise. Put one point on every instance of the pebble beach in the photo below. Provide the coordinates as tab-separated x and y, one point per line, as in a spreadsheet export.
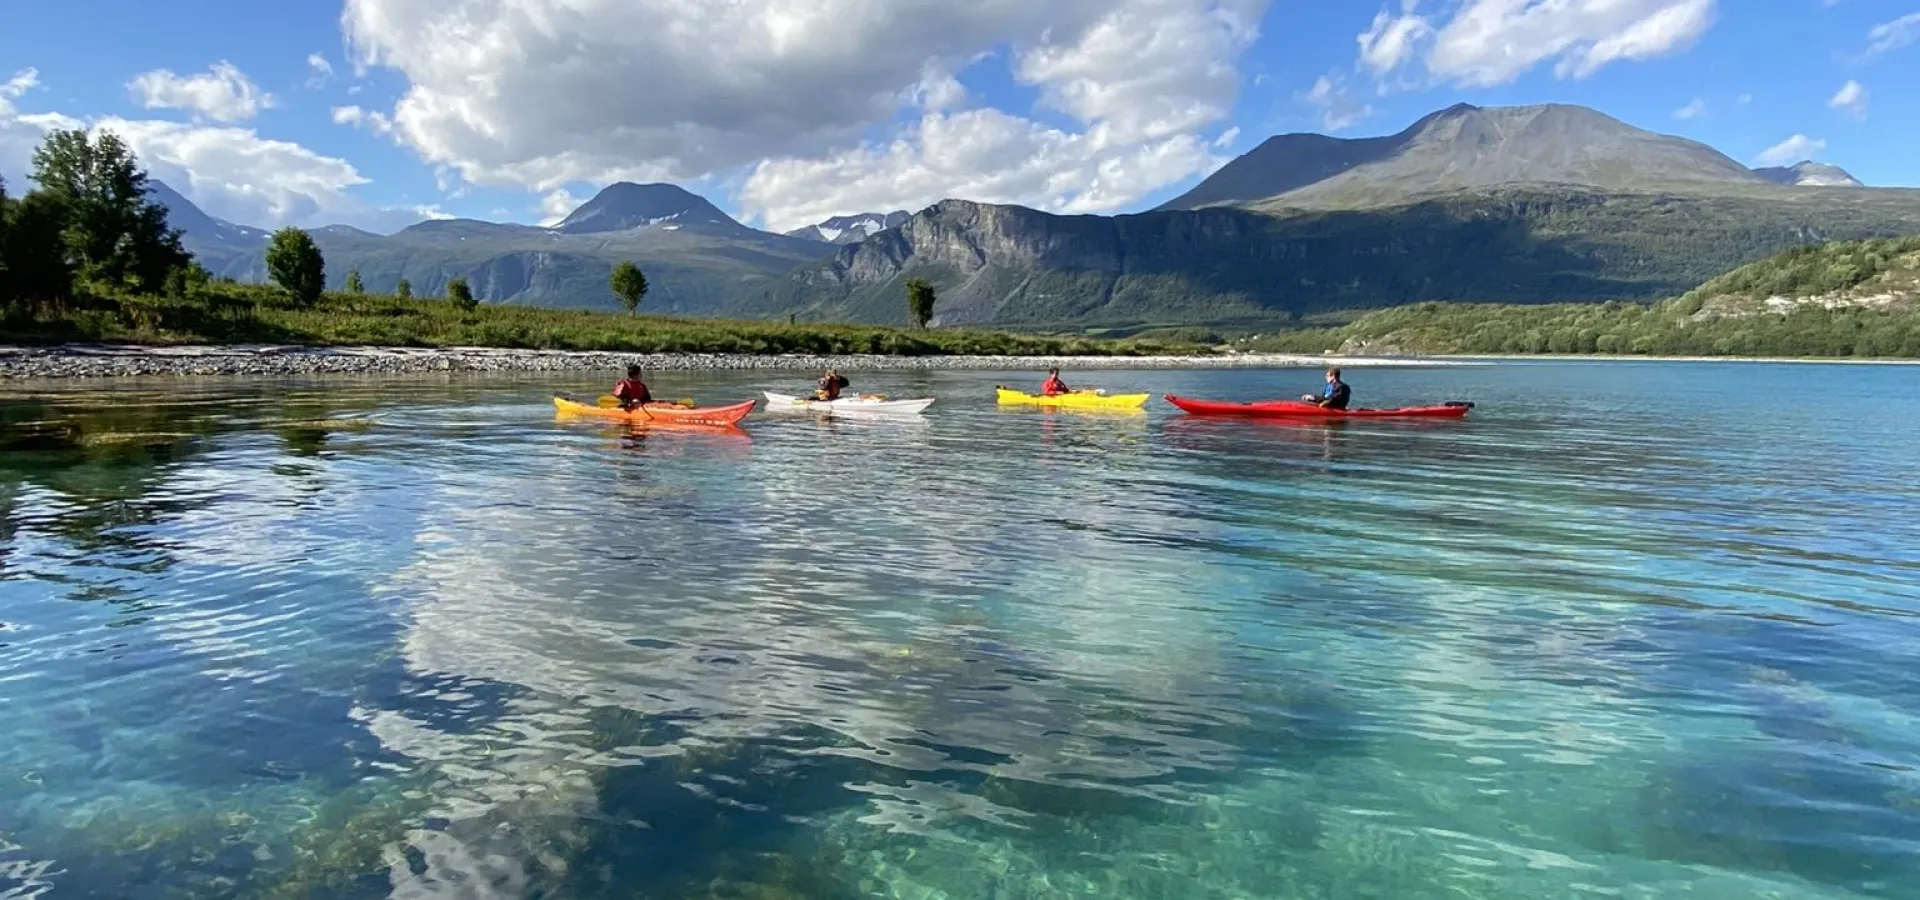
119	361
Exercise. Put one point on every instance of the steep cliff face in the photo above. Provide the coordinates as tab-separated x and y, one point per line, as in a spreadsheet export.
1015	266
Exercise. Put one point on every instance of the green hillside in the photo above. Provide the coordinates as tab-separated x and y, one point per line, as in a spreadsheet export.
1841	299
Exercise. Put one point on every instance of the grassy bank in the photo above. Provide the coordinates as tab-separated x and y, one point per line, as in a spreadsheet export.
1663	329
230	314
1851	299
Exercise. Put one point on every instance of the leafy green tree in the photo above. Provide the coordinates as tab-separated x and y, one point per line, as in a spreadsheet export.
920	300
461	295
6	283
113	234
37	267
353	283
403	290
295	263
629	284
189	282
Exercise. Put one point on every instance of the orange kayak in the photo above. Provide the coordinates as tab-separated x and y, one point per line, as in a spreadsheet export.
660	412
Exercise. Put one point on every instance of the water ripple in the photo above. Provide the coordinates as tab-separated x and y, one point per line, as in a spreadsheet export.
419	638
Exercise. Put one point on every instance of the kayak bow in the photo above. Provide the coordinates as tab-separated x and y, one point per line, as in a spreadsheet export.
661	412
1294	409
1081	399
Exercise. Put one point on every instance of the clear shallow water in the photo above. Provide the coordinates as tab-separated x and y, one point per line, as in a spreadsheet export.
415	638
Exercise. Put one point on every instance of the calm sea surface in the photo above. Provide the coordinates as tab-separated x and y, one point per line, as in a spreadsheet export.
1631	630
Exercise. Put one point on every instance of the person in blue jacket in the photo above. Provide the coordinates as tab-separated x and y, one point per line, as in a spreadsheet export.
1335	395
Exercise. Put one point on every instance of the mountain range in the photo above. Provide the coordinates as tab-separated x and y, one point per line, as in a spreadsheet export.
1517	204
851	229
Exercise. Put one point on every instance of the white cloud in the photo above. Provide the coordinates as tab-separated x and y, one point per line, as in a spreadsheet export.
679	91
17	137
936	90
16	87
1492	42
1889	36
235	174
1392	40
223	93
1850	99
556	205
372	120
984	155
1693	110
320	71
231	172
1792	150
1227	137
1338	111
1150	69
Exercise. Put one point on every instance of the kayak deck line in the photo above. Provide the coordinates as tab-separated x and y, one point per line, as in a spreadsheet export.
861	406
1296	409
719	416
1083	399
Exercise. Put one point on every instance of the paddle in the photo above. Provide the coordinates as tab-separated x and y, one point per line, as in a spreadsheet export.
609	401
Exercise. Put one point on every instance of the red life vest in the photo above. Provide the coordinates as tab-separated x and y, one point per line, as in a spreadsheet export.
633	391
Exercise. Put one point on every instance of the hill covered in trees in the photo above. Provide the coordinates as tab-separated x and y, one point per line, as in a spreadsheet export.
1841	299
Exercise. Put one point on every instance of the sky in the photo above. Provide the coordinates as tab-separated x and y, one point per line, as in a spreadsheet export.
382	113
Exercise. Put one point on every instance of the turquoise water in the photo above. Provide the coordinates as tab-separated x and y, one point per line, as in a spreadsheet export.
1631	630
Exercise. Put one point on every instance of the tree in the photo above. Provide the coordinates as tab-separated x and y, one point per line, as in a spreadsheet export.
920	300
629	284
295	263
37	267
189	281
461	295
6	284
403	290
113	234
353	282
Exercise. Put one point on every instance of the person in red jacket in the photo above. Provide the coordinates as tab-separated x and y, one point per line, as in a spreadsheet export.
1054	385
631	391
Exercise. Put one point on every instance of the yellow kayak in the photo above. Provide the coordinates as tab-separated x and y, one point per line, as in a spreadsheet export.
1081	399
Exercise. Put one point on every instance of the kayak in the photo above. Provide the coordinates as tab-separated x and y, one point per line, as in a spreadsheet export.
661	412
1294	409
1080	399
862	406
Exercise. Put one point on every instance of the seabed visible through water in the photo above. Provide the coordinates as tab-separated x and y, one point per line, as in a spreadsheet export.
415	638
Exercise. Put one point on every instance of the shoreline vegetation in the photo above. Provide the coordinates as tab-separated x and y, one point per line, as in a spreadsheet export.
89	361
87	256
130	360
1839	300
94	282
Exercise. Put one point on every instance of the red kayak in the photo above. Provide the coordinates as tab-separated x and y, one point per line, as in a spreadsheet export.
1294	409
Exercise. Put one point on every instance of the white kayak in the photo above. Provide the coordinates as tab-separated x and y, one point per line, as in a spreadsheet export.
860	406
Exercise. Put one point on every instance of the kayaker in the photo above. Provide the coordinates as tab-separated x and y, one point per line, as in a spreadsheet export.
830	385
1054	386
1334	396
631	391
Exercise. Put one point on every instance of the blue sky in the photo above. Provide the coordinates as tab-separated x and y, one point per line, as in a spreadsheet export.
1093	106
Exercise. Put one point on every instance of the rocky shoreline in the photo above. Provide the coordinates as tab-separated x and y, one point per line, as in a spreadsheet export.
119	361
